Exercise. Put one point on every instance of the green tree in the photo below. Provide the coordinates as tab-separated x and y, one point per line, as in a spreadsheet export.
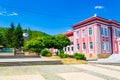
61	41
1	39
9	35
49	41
35	45
18	37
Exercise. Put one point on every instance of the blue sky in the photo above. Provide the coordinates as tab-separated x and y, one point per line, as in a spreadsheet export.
55	16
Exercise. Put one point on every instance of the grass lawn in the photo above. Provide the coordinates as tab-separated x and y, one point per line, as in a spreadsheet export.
68	60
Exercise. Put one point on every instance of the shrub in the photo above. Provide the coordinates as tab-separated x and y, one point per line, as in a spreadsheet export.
45	52
79	56
63	55
61	51
57	53
48	55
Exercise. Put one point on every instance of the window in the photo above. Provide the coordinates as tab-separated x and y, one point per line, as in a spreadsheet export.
83	33
90	31
119	33
84	46
103	45
68	48
107	46
90	45
77	34
116	32
104	31
65	48
72	48
78	47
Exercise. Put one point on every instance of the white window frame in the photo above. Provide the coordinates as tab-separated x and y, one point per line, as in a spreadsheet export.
107	45
68	48
72	48
83	33
65	49
90	45
78	47
89	29
104	31
77	34
83	46
103	45
117	32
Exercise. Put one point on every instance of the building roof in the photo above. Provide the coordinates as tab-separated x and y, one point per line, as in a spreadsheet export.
70	33
96	18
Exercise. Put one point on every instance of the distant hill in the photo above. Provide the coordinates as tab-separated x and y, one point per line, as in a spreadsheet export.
35	34
32	33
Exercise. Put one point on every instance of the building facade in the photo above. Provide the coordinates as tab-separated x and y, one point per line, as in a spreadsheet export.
94	35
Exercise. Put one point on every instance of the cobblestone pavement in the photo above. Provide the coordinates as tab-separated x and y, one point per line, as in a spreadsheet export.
61	72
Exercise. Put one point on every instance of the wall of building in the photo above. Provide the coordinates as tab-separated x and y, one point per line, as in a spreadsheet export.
85	38
116	39
105	38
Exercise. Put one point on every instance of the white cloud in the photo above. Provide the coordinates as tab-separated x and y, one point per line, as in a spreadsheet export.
1	14
8	14
12	14
99	7
4	12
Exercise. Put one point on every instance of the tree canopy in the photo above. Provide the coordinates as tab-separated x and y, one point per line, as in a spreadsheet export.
35	45
18	37
61	41
9	36
13	36
57	42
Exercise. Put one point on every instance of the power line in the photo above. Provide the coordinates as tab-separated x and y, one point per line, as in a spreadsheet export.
38	13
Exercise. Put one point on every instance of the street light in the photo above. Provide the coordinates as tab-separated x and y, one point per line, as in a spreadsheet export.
25	36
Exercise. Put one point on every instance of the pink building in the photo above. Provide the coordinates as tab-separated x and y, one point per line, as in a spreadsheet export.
94	35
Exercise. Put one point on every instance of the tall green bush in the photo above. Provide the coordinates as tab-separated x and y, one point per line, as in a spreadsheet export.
79	56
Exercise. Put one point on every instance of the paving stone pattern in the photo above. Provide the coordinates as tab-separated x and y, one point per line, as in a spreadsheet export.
60	72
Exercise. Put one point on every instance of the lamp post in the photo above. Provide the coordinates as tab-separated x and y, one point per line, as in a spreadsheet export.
25	36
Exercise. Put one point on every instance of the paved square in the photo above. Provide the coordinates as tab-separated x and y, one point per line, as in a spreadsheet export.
22	77
61	72
79	76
